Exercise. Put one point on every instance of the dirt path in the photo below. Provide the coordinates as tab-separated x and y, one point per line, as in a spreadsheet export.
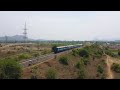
109	62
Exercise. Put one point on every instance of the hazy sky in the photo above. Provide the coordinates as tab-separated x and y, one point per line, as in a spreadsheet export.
62	25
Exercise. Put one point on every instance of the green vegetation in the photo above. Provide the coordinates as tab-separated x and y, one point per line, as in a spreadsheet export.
10	69
81	74
85	60
23	56
63	60
33	77
93	50
119	52
109	52
36	54
45	52
81	71
54	47
83	53
116	67
75	52
100	69
80	64
51	74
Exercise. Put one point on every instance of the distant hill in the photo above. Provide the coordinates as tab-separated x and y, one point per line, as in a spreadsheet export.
14	38
18	38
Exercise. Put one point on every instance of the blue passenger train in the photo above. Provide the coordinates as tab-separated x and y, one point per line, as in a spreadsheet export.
64	48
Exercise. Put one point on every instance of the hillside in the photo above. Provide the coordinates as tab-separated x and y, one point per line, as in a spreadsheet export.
73	66
13	38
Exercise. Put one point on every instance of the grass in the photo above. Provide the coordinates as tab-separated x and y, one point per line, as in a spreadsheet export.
63	60
51	74
116	67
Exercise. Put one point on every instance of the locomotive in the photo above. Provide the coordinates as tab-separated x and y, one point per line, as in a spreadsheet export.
65	48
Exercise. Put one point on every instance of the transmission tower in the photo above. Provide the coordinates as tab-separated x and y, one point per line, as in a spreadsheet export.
6	39
25	33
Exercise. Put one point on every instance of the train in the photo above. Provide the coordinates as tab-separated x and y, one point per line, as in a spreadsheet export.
65	48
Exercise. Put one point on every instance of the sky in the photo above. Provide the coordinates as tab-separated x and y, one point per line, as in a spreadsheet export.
62	25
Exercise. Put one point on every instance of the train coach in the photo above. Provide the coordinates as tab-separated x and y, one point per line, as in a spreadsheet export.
65	48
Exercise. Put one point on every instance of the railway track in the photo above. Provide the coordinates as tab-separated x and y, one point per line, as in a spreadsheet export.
40	59
32	61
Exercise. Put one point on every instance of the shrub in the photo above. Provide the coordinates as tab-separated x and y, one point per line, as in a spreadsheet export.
116	67
83	53
51	74
79	64
74	52
103	76
23	56
81	74
53	48
10	69
100	69
109	52
63	60
33	77
85	61
36	54
119	53
45	52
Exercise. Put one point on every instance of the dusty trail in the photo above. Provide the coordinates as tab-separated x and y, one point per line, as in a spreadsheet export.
109	63
109	71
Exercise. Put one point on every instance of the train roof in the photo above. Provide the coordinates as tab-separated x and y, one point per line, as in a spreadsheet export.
67	46
61	46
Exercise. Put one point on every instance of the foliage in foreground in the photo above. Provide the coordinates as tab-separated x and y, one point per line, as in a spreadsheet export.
10	69
116	67
81	71
63	60
51	74
81	74
100	69
23	56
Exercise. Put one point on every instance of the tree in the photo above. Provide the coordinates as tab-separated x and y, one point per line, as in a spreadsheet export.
10	69
83	53
53	48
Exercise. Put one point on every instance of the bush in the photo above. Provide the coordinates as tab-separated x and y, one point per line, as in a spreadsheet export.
116	67
74	52
10	69
80	64
83	53
63	60
109	52
85	61
36	54
100	69
51	74
81	74
54	47
33	77
119	53
23	56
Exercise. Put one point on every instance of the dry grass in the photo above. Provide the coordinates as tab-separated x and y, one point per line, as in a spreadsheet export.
66	71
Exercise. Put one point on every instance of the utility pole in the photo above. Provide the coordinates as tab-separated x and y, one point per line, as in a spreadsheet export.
25	34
